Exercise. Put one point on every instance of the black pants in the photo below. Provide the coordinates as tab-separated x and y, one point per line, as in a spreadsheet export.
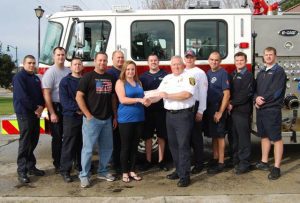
179	129
29	136
130	134
117	148
241	142
56	130
71	145
197	141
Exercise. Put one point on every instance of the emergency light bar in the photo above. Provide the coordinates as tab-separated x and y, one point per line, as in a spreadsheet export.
121	8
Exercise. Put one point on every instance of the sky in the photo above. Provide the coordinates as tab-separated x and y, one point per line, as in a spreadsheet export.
19	24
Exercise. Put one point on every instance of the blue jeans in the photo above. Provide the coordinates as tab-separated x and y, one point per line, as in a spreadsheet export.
93	131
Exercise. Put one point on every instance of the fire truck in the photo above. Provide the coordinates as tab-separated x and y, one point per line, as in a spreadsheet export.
171	32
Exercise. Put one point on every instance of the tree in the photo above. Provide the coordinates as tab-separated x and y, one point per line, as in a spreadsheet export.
289	4
177	4
164	4
6	68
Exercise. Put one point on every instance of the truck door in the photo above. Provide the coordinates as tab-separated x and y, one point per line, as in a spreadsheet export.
99	32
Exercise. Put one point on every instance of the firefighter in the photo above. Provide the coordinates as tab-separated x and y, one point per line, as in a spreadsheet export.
240	109
218	95
269	96
28	104
72	115
155	115
200	106
115	70
50	81
177	90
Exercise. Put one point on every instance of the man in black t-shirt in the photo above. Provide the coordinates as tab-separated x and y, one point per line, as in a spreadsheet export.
96	99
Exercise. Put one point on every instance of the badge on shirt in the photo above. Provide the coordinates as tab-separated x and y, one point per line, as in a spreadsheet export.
192	81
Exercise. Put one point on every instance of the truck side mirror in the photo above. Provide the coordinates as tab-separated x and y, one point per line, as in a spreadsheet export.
79	35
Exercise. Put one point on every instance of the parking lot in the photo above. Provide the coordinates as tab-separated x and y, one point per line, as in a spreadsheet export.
225	187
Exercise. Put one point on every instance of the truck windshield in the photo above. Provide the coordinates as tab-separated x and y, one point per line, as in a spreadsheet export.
52	39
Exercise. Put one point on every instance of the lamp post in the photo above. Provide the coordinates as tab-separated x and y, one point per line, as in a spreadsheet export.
16	49
39	12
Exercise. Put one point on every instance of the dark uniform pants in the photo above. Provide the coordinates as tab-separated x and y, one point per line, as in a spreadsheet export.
116	149
29	136
179	128
71	145
197	141
56	130
241	142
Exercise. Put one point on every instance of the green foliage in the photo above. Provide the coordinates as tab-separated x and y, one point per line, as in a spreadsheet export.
289	4
6	106
6	67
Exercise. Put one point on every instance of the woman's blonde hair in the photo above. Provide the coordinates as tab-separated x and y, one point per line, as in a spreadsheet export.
123	71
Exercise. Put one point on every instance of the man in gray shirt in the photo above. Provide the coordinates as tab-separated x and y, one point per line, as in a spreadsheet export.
50	85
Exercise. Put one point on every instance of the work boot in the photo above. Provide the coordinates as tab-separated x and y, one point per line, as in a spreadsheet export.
23	178
36	172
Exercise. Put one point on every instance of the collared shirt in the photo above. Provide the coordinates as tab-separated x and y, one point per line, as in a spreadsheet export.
270	67
201	87
175	84
271	85
27	93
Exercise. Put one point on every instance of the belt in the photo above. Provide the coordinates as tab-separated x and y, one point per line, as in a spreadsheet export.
191	109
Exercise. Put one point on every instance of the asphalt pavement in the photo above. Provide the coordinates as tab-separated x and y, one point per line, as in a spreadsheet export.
224	187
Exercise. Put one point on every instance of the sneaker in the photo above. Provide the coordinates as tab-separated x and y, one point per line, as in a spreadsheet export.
262	166
212	163
197	169
172	176
216	169
239	171
146	166
184	182
108	177
85	182
162	166
274	174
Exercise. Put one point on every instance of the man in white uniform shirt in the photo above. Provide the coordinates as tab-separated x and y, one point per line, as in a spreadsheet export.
50	84
177	90
200	106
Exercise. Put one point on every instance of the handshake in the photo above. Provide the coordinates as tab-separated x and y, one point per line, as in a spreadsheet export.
153	96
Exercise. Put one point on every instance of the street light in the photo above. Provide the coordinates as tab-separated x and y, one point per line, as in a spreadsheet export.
39	12
16	49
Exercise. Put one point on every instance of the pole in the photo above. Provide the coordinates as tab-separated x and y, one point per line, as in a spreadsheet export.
17	58
38	61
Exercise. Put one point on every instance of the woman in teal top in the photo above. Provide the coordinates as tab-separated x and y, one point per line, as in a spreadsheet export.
130	118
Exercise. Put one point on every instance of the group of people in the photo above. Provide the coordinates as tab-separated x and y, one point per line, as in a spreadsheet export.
113	108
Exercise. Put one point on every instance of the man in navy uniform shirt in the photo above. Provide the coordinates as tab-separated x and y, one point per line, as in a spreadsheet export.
215	115
28	104
155	114
269	96
72	138
115	70
240	108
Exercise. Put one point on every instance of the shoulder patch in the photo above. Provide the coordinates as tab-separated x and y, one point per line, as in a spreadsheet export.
192	81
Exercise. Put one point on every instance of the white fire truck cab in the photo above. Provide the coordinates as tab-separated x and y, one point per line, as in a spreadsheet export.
166	33
142	32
